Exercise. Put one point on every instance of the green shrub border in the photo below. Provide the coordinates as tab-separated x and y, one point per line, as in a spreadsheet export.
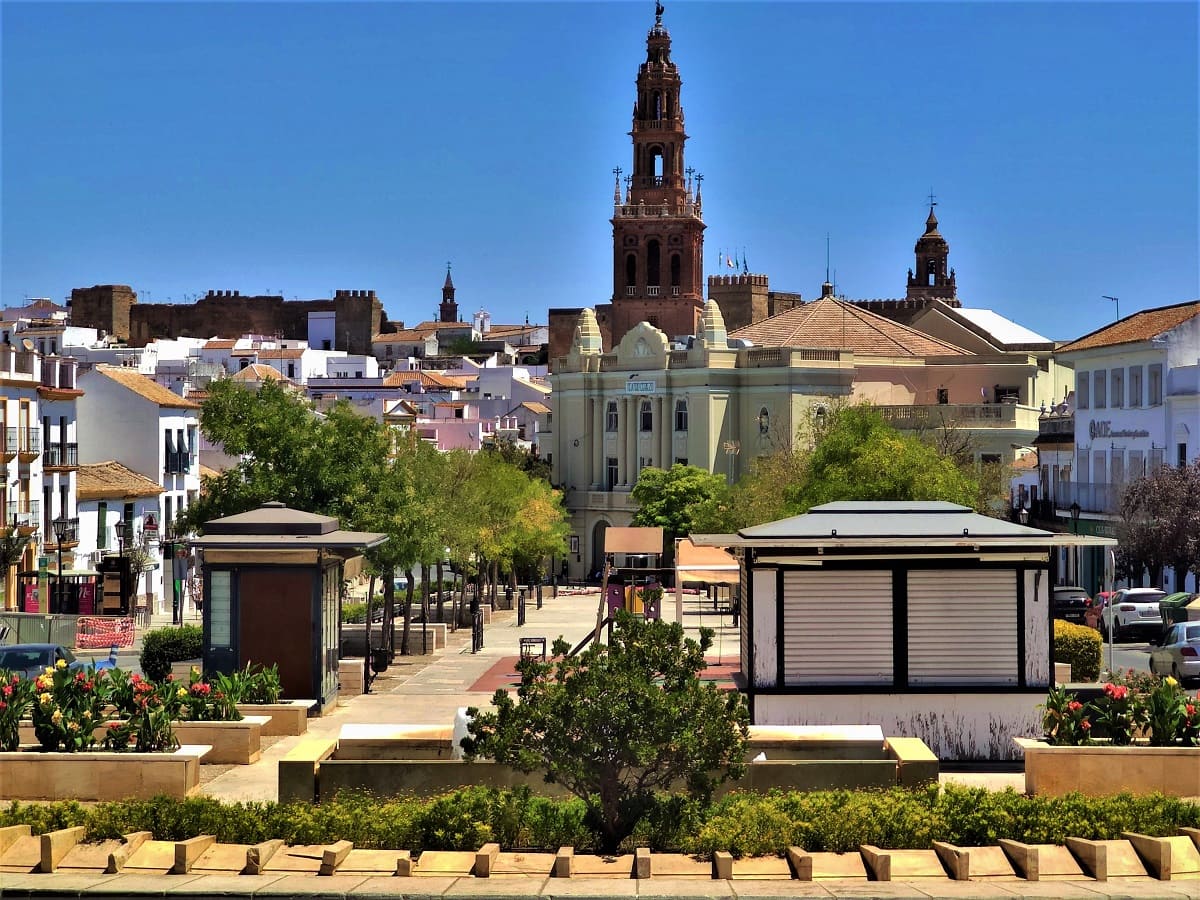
743	824
1081	647
167	645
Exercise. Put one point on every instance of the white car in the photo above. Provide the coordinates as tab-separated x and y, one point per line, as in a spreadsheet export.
1130	610
1178	654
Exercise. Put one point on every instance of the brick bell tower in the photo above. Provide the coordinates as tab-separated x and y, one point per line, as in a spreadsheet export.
932	278
658	231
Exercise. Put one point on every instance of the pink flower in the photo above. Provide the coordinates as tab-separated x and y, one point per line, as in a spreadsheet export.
7	692
3	706
1116	691
1085	725
1074	706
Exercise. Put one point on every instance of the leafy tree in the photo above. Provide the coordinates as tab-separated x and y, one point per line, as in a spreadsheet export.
618	722
682	500
858	456
528	461
1160	523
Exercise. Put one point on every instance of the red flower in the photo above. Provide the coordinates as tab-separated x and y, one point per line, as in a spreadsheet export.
170	676
200	689
3	706
7	692
1116	691
1085	725
1191	710
135	678
79	676
1074	706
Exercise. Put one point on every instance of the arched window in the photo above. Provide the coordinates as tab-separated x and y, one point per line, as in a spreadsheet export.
681	415
653	278
631	270
658	105
657	160
675	267
610	416
932	271
764	421
647	416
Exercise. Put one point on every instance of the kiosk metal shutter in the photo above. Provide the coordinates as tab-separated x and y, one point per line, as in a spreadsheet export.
744	582
837	627
962	626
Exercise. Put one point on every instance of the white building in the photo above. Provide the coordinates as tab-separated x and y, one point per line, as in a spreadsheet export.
127	417
1137	406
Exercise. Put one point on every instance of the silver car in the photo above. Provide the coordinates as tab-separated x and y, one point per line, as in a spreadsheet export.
1178	653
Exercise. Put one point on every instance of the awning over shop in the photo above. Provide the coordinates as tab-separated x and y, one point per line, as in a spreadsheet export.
708	564
633	540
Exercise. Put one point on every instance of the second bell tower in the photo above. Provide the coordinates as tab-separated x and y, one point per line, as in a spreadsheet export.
658	230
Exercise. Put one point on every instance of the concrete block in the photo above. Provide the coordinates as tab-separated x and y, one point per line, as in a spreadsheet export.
816	741
297	772
334	855
641	863
1024	858
457	863
404	863
588	865
722	865
956	860
564	862
485	859
350	677
56	844
838	867
151	857
223	860
1043	862
801	863
258	856
187	852
388	741
118	859
287	718
233	743
1166	857
680	867
762	868
878	862
9	835
915	762
1062	673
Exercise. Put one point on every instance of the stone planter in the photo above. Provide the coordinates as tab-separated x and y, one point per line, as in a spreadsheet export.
288	718
1104	769
31	775
239	743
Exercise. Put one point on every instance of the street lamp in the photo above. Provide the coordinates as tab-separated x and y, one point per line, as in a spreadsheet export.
61	526
1074	517
1023	515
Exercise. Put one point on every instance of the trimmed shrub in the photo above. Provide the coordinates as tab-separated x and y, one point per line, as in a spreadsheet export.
743	824
354	613
1080	646
167	645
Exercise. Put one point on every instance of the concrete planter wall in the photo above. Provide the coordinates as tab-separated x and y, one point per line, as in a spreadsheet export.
287	718
31	775
239	743
1104	769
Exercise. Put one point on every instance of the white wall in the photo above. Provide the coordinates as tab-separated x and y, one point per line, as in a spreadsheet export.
977	726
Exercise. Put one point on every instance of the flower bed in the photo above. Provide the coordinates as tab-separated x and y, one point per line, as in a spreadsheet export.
287	718
88	775
1151	741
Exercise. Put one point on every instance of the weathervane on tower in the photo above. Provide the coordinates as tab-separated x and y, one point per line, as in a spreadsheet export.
658	12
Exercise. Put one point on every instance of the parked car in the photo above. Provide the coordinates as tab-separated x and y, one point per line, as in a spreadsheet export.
1070	603
1178	653
1132	610
30	660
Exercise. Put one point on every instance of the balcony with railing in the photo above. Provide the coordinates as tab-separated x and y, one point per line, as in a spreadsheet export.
24	442
70	533
179	462
966	415
60	456
26	514
1055	428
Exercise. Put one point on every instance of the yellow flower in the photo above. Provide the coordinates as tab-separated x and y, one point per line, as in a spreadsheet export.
195	670
73	726
42	682
61	664
45	699
182	692
1171	681
49	670
56	716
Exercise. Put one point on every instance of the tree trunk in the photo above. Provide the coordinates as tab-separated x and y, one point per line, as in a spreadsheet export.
603	602
389	611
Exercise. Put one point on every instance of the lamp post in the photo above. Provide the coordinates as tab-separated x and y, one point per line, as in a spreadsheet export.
1075	530
1023	515
61	525
166	547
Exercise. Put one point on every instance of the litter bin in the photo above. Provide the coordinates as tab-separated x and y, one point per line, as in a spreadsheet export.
379	660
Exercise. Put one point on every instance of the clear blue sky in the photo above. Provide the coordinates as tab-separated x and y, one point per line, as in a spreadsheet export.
296	148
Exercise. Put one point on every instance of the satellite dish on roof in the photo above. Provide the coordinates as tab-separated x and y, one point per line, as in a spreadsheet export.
27	344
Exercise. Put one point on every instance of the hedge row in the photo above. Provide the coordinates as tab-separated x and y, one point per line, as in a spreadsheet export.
744	824
167	645
1081	647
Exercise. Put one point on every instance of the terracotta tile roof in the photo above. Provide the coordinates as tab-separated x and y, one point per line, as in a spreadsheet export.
245	351
1141	326
541	388
271	353
111	480
219	345
533	406
208	471
145	387
429	379
258	372
834	325
404	336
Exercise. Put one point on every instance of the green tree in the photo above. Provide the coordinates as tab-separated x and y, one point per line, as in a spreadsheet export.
856	455
682	500
618	722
